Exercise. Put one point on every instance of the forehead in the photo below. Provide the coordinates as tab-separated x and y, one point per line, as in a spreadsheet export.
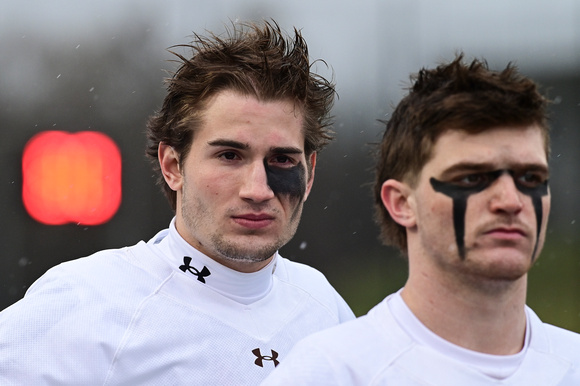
244	118
501	148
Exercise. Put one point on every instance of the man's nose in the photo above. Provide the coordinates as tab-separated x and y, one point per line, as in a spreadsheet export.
254	186
506	196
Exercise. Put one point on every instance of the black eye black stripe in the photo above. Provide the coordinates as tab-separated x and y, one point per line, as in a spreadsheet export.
287	181
460	194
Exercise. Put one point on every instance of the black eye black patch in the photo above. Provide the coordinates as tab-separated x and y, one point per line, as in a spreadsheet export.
287	181
459	194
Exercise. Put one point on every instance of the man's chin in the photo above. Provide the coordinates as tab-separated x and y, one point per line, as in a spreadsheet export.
500	272
246	252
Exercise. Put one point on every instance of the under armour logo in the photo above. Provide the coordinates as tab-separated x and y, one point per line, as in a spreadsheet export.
200	274
261	358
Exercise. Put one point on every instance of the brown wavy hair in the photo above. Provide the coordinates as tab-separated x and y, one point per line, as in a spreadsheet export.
453	96
256	60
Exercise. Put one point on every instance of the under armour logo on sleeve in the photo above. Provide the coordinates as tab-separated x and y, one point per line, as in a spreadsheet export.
200	274
261	358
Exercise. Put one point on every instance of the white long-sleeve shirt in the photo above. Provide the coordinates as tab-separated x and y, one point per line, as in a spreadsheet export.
389	346
161	313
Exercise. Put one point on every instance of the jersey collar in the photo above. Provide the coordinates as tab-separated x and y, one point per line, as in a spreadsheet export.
241	287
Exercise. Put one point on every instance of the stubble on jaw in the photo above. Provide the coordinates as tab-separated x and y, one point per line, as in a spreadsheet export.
239	251
486	277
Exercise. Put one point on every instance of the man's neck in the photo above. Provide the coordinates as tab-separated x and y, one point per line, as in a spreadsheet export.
244	288
484	317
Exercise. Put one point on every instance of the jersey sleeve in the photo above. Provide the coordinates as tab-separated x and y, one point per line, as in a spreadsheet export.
343	309
46	337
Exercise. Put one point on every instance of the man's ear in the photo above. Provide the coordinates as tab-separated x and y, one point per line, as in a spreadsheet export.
310	175
169	163
398	201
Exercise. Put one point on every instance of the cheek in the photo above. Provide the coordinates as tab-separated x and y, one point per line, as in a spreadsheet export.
435	224
438	206
435	213
547	204
207	185
476	208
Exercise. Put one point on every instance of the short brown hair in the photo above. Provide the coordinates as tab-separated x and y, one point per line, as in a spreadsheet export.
453	96
260	61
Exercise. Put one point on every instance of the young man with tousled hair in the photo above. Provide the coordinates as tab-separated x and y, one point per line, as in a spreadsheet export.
208	300
462	190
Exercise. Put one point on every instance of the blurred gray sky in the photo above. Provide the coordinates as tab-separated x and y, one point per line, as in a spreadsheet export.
372	45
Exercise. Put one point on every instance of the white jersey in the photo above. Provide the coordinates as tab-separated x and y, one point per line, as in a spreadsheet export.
161	313
377	350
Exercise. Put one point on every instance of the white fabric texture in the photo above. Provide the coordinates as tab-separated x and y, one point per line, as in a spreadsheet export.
132	316
376	350
495	366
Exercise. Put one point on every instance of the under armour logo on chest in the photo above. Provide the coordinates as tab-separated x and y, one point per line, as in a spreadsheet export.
200	274
261	358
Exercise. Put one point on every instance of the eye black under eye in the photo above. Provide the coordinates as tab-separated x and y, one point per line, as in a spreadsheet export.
474	179
282	160
530	179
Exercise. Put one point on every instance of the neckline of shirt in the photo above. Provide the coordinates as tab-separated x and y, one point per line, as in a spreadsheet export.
240	287
495	366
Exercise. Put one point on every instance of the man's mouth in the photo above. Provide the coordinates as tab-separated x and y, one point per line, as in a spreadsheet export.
507	233
253	220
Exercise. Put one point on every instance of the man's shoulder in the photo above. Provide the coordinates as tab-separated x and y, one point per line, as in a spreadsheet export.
106	271
372	333
304	279
560	333
82	307
554	341
295	272
563	341
354	352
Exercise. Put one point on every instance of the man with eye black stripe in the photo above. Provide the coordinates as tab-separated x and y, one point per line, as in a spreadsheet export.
462	190
208	301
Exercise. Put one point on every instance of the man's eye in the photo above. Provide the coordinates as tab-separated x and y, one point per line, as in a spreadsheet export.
531	180
472	180
282	160
228	155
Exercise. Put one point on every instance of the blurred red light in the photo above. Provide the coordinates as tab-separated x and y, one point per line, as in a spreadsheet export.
71	177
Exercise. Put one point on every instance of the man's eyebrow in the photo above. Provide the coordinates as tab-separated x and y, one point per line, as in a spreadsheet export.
468	166
229	143
245	146
486	167
286	150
